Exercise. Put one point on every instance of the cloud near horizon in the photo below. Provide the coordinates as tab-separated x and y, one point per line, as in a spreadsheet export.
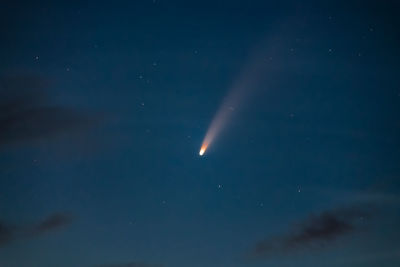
314	232
52	222
10	233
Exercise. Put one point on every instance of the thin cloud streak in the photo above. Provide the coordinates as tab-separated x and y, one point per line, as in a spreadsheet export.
314	232
27	112
10	233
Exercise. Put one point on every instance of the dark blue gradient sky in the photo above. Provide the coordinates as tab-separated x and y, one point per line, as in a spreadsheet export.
103	108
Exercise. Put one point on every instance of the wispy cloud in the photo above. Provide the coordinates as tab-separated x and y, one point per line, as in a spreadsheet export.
53	222
10	233
6	234
315	231
28	113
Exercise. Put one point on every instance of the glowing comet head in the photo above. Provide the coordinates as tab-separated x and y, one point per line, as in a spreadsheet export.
202	150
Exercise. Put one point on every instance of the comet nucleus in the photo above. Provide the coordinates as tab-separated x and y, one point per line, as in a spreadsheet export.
202	150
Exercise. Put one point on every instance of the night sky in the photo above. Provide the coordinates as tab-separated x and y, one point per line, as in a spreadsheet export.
104	106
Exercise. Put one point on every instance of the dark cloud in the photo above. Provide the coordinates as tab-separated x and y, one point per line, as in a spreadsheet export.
27	112
315	231
128	264
53	222
6	234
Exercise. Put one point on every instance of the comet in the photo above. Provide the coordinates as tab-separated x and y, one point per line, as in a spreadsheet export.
250	77
247	81
267	59
217	124
224	113
202	150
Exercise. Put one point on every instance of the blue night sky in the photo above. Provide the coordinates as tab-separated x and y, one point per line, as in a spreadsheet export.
104	107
